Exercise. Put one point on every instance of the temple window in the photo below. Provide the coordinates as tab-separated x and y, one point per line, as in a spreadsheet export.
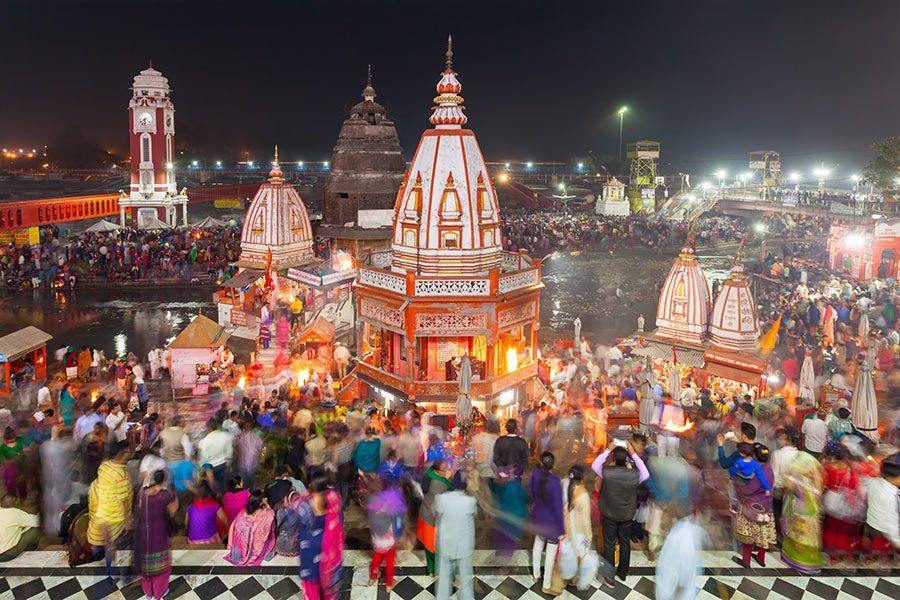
145	148
450	240
488	238
409	237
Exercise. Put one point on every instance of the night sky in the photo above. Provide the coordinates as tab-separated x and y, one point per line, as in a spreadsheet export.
710	79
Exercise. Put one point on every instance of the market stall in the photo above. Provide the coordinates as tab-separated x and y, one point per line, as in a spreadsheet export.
192	353
17	349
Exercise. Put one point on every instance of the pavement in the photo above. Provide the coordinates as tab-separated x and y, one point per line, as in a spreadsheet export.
204	574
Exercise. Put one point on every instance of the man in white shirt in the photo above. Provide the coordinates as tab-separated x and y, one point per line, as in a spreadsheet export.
688	396
43	396
115	423
19	531
815	434
781	458
883	512
216	449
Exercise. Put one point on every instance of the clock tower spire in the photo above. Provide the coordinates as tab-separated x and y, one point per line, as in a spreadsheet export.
153	191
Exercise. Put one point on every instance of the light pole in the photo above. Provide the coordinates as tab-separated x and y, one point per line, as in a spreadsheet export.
622	112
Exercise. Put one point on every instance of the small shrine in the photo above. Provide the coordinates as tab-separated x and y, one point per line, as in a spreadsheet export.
445	313
277	262
865	253
612	201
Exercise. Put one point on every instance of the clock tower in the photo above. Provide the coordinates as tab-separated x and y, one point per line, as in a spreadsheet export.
153	193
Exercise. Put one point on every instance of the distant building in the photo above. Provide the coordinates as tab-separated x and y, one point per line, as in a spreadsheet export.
153	198
367	169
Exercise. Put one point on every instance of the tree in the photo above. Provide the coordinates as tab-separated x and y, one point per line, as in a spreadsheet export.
884	171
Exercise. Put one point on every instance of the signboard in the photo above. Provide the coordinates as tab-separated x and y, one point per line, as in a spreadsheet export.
775	166
648	193
231	202
757	164
445	408
304	277
238	318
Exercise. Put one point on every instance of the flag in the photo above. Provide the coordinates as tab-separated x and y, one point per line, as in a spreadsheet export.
767	341
674	356
269	286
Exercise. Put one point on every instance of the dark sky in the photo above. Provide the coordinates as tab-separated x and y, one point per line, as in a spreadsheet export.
710	79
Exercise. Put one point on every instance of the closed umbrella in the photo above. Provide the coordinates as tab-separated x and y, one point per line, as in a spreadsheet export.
648	404
465	375
863	405
675	382
463	408
864	326
577	324
807	391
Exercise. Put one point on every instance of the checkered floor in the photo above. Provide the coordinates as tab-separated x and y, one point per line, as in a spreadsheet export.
203	574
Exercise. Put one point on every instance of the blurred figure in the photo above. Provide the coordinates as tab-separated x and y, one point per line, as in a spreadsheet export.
510	459
844	505
56	467
235	499
547	519
386	511
436	481
618	503
321	541
754	522
456	540
679	561
110	504
155	507
205	520
883	513
801	514
19	531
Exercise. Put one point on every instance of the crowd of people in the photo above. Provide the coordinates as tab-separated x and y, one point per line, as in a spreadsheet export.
129	255
542	233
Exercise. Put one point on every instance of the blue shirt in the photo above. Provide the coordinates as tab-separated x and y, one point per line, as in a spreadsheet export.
748	469
265	420
367	455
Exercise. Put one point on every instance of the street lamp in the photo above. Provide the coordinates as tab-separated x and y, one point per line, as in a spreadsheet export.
622	112
250	163
219	163
821	172
529	164
721	174
855	179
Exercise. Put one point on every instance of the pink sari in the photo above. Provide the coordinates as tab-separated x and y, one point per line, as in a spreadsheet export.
251	538
331	564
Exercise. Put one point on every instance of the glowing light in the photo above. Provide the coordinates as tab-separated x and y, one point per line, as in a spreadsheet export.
794	177
562	186
721	173
759	227
512	360
250	163
822	172
503	178
170	166
242	381
854	178
580	165
326	164
705	185
622	110
671	426
505	166
529	164
344	261
299	163
218	163
94	395
853	240
302	377
194	163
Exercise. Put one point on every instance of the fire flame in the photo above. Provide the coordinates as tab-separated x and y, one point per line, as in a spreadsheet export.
302	377
94	395
671	426
242	381
512	360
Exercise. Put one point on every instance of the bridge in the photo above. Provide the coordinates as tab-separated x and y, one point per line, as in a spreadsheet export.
23	214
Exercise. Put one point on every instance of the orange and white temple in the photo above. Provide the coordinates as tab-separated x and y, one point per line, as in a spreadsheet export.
446	289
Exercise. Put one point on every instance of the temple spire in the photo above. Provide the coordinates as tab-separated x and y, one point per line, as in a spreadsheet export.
449	54
275	175
369	91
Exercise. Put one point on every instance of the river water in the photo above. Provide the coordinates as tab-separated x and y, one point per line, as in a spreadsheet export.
135	320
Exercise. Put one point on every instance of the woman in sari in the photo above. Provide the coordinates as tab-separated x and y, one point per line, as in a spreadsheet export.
251	538
66	406
155	506
321	541
435	482
800	514
287	524
844	505
205	519
12	456
754	523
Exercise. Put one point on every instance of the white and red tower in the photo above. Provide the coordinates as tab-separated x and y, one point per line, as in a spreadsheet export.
153	193
684	303
734	324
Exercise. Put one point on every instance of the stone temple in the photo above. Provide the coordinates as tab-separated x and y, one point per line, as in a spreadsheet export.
367	168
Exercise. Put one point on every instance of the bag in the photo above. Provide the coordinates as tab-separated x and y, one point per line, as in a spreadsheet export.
755	512
78	548
587	570
566	560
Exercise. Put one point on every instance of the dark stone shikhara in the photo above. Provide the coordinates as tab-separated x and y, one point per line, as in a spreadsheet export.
367	167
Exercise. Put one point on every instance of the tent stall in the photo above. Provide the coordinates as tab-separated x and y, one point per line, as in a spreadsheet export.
192	352
28	344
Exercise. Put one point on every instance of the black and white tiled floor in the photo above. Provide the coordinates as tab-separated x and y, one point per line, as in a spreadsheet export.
202	574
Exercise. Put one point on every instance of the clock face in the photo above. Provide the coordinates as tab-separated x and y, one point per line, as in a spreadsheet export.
145	118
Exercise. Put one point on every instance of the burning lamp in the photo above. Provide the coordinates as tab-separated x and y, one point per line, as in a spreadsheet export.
853	240
512	360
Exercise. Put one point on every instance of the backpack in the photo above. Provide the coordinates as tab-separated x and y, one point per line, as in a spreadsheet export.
77	547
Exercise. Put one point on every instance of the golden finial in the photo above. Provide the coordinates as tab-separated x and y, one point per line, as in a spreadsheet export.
449	53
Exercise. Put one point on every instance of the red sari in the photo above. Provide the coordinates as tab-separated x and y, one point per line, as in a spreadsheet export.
839	536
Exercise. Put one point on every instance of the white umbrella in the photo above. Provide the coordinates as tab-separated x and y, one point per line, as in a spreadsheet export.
675	383
209	223
863	326
103	226
864	405
152	223
648	404
577	324
807	381
465	375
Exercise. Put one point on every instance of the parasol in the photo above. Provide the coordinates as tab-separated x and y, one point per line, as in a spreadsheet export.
863	326
807	391
577	324
103	226
675	382
864	406
209	223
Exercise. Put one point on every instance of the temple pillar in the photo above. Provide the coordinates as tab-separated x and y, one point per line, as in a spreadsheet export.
184	221
122	215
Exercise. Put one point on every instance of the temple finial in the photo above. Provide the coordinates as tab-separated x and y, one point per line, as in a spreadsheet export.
151	63
276	155
369	76
449	53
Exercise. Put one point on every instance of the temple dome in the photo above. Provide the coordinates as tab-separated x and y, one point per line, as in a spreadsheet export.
446	218
367	166
684	302
734	324
151	80
276	221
